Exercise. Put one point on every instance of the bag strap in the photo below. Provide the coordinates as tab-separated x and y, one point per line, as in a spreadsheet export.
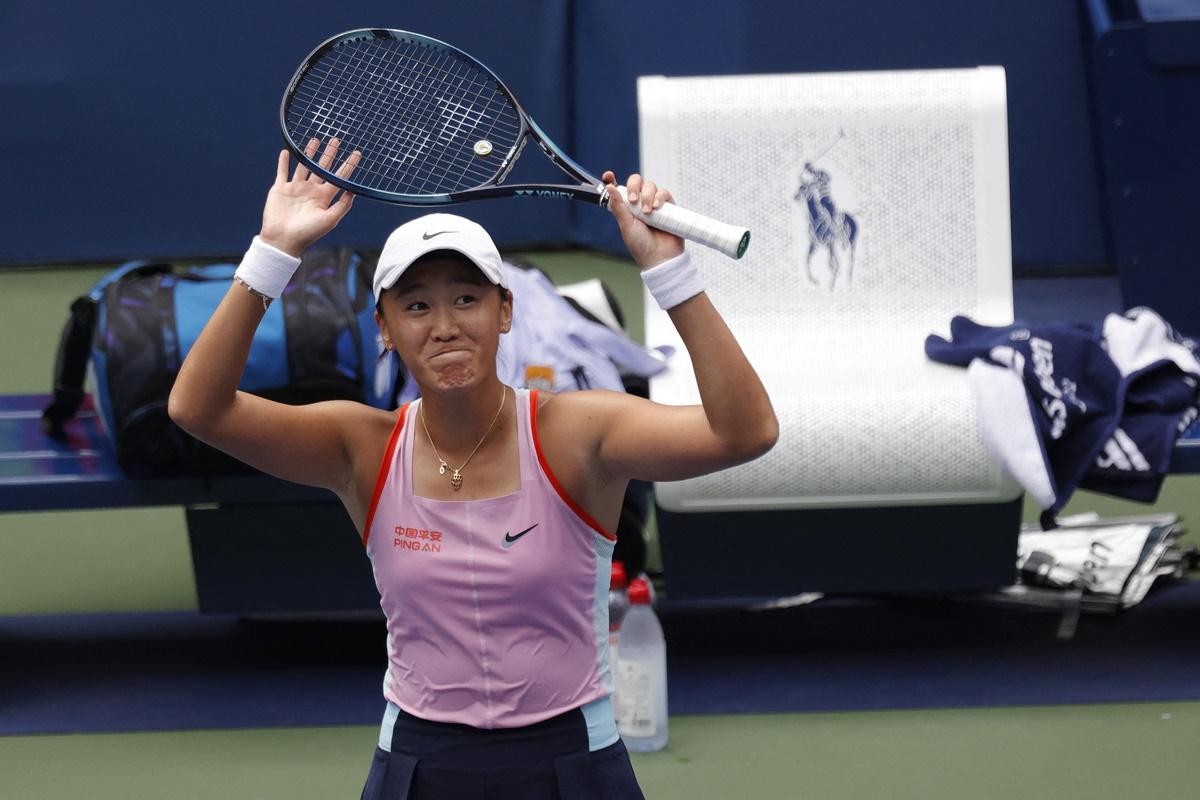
398	383
75	347
363	269
126	270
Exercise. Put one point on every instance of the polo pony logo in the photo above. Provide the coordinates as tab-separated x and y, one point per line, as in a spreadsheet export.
832	233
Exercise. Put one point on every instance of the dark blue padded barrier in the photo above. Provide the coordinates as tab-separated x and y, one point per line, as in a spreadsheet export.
141	130
38	473
904	550
1145	61
259	544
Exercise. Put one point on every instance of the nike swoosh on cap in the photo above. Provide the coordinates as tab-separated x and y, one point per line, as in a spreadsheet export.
427	235
509	538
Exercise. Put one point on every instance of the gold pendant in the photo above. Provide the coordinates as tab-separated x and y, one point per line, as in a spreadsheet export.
456	480
442	468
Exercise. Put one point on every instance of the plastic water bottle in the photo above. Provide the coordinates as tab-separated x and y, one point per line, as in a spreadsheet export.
641	681
618	605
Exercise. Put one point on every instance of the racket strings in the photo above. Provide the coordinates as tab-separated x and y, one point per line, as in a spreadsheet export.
456	123
413	111
436	163
336	85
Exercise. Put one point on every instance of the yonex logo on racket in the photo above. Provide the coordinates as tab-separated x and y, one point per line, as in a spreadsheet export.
542	193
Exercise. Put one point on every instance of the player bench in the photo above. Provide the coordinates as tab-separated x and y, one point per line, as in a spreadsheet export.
261	545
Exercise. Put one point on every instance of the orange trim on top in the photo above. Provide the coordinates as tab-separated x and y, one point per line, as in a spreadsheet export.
566	498
384	467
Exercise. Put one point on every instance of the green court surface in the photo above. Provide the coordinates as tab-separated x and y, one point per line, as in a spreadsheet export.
138	560
1086	752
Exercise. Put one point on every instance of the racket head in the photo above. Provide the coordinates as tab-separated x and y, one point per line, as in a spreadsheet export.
429	120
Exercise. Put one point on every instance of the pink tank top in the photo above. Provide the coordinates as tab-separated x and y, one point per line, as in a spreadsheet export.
497	609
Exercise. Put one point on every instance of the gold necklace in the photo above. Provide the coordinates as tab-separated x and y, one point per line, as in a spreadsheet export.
456	477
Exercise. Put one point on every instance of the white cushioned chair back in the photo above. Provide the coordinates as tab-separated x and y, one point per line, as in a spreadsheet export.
878	209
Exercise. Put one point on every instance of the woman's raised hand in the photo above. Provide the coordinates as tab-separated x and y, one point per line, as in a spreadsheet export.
301	209
649	246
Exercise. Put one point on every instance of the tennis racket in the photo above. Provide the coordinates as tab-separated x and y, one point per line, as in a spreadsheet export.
435	126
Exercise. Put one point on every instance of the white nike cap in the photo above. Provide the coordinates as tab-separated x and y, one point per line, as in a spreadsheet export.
432	232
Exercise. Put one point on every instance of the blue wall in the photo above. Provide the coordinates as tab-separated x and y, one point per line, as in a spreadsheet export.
1146	63
146	129
139	129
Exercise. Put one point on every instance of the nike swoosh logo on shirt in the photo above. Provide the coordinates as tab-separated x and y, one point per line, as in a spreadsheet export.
427	235
509	538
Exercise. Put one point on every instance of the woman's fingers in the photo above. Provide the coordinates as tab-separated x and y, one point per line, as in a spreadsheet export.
342	206
645	193
649	190
328	156
302	172
640	191
281	168
617	208
326	192
633	189
349	165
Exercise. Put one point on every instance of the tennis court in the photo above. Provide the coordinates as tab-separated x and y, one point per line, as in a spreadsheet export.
113	643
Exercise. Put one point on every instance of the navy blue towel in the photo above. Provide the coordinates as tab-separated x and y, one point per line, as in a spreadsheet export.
1068	405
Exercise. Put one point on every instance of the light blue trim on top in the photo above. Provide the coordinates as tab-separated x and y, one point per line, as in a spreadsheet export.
598	714
604	550
601	723
385	730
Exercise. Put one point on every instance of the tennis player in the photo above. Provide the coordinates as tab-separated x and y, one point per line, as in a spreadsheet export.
487	511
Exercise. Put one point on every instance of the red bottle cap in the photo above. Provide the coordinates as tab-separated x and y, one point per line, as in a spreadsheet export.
639	591
618	575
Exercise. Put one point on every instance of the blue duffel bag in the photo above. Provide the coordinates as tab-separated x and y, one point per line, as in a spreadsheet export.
131	332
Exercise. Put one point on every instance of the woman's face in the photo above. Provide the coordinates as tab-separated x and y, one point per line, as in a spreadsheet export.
444	318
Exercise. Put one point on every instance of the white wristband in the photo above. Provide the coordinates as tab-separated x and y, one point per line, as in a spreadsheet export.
266	269
673	281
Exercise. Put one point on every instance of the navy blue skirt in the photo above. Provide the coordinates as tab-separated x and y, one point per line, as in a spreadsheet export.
546	761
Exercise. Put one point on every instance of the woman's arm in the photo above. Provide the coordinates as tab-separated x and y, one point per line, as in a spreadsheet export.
636	438
305	444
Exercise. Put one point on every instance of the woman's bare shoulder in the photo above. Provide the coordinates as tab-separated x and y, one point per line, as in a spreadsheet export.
581	415
361	420
569	403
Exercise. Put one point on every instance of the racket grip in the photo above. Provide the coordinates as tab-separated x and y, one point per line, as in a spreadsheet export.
731	240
